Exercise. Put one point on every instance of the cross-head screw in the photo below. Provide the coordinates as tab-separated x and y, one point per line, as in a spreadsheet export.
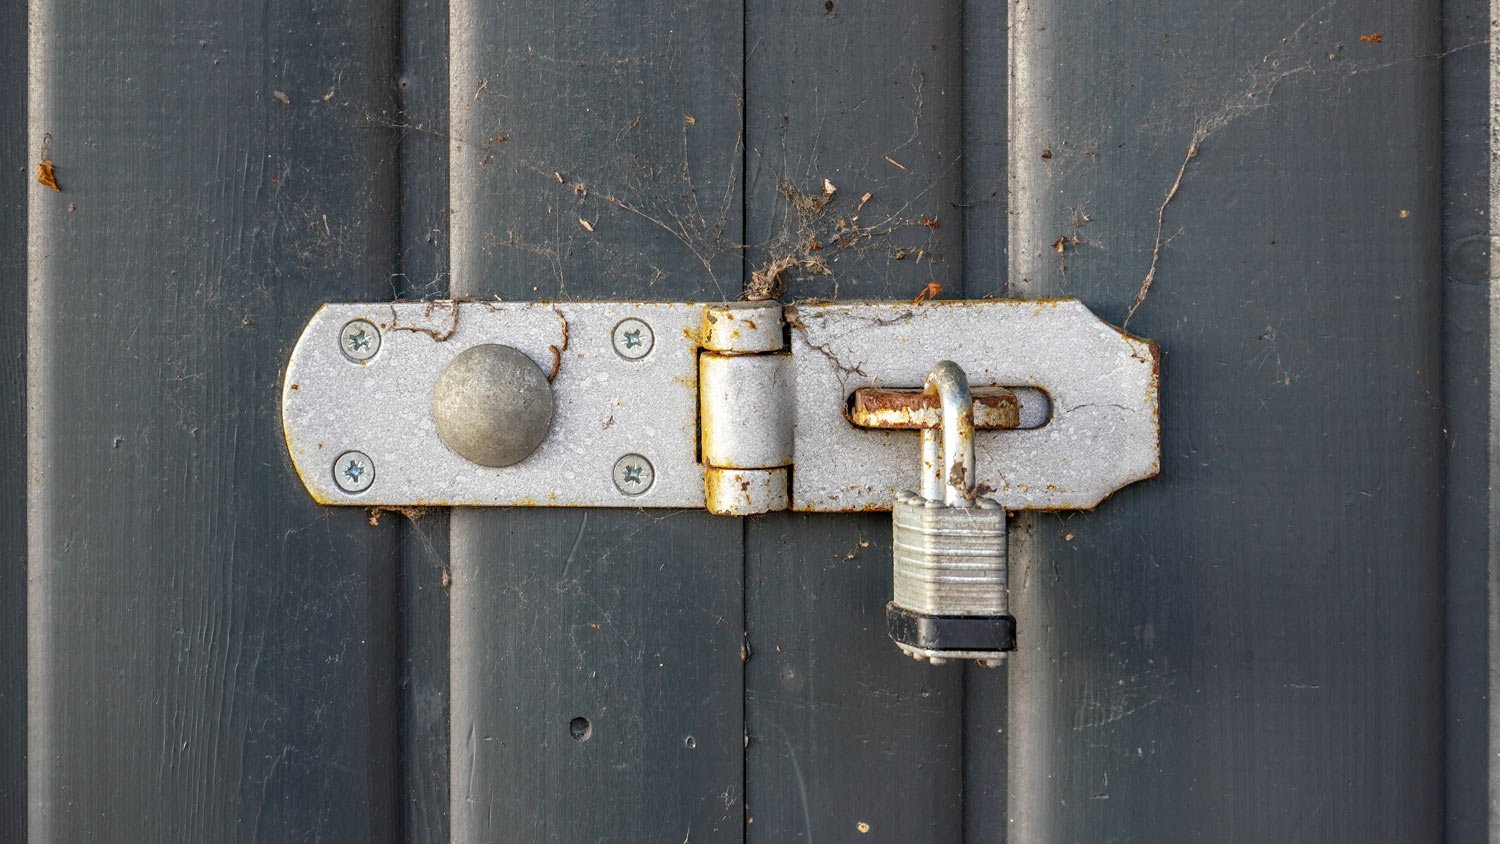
633	474
359	340
353	471
633	339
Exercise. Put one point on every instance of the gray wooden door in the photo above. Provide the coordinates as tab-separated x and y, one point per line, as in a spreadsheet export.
1285	637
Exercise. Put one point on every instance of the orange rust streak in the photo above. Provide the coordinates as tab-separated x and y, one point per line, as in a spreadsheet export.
911	410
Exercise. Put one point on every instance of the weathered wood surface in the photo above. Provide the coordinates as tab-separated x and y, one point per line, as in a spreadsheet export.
596	675
1250	647
211	654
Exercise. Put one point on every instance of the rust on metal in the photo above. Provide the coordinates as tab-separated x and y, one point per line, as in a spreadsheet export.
912	410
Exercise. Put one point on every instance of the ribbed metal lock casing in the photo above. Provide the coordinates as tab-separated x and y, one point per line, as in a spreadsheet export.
949	561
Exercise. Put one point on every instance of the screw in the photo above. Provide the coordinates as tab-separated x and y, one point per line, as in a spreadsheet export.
353	471
633	339
359	340
633	474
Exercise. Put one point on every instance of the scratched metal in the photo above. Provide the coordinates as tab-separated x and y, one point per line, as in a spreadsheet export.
607	405
1103	433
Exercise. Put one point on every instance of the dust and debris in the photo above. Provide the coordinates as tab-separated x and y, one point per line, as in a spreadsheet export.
557	350
46	174
928	293
1263	82
432	304
865	197
587	226
411	513
445	577
894	163
768	282
281	97
689	120
1047	154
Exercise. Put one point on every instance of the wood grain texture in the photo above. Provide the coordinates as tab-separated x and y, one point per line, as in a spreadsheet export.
1248	648
985	174
596	155
844	730
1467	274
210	653
14	176
422	271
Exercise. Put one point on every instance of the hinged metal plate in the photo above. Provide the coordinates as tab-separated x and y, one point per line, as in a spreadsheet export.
1102	434
607	405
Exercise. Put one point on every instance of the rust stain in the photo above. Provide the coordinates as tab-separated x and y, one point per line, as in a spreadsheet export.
911	410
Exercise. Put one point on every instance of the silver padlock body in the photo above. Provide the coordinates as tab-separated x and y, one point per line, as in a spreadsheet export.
949	561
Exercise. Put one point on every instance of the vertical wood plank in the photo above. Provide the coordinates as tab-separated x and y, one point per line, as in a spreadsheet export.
1468	247
596	675
844	730
210	653
422	271
14	176
985	177
1250	647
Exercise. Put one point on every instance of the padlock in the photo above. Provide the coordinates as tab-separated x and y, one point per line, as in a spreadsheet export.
950	575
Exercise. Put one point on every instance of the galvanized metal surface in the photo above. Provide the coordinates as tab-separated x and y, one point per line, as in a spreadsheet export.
746	410
606	405
1101	385
1103	431
492	405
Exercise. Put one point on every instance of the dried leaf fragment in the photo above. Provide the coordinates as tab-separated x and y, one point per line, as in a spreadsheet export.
587	226
689	120
863	199
45	175
828	189
929	292
1373	38
930	222
282	98
894	162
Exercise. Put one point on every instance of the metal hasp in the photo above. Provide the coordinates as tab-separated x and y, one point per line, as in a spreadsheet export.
948	544
741	408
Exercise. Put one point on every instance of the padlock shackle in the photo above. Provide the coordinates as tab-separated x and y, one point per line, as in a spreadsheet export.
949	476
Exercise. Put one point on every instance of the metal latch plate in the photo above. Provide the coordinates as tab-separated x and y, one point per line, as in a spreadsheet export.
1102	432
1101	435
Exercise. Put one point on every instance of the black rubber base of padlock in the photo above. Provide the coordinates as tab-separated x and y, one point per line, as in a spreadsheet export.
950	632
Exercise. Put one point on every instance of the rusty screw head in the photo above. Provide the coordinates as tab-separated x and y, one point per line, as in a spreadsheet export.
353	471
633	339
633	474
359	340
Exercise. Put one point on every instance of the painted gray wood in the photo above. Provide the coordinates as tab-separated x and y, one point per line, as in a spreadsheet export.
844	730
1466	418
626	120
211	654
1250	647
14	176
985	173
422	271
